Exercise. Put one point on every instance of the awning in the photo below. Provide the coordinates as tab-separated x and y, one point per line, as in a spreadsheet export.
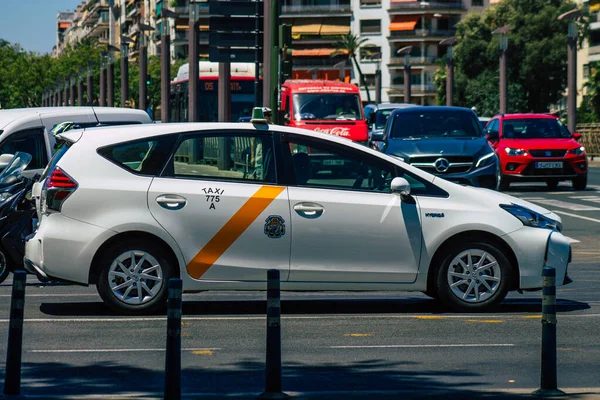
330	29
312	52
594	5
308	26
404	22
64	25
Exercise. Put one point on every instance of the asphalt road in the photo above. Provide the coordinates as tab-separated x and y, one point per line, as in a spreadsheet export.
336	345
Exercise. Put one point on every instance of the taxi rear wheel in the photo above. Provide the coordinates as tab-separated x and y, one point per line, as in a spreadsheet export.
473	277
134	276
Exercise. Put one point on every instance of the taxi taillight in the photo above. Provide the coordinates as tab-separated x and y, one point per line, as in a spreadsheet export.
58	187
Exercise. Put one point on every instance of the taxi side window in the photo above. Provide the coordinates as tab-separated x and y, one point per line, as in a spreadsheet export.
335	168
242	157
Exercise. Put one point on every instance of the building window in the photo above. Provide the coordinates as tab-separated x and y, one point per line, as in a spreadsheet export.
370	26
586	71
477	3
370	3
370	54
369	79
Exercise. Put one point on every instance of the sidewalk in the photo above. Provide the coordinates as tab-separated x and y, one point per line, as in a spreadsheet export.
458	394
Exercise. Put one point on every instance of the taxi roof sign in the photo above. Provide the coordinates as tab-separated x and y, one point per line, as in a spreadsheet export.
258	116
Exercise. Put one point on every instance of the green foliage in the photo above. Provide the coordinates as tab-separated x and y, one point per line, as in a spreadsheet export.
349	45
536	56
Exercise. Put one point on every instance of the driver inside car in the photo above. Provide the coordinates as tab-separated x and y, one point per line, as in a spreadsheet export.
346	109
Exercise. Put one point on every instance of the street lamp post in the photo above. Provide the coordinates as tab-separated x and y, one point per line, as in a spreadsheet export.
110	75
450	42
125	42
572	17
194	64
66	92
60	94
407	80
377	58
90	84
102	99
503	32
143	62
72	89
165	62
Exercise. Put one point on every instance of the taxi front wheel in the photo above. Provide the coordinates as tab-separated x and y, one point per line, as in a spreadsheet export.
134	276
474	277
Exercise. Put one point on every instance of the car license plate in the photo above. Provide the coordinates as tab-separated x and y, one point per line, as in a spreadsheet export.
333	162
541	165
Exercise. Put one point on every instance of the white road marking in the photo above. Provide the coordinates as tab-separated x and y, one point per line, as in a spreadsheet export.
111	350
316	317
593	199
561	204
577	216
418	346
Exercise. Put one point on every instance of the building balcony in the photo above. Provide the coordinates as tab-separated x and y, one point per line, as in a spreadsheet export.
132	9
334	9
420	35
594	49
415	88
414	60
427	6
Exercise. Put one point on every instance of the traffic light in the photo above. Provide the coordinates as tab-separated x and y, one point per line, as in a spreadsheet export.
148	80
285	44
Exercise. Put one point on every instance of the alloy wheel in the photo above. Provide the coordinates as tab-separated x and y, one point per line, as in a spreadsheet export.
135	277
474	276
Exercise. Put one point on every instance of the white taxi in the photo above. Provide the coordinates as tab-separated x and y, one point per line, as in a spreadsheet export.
219	204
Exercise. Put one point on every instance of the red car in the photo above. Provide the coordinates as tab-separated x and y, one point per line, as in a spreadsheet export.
534	148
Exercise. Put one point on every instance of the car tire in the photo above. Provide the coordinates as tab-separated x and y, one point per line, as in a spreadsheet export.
580	183
502	181
467	292
4	267
552	184
148	270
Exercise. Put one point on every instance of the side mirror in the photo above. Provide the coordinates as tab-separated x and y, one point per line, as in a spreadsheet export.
377	136
492	136
577	136
5	159
400	186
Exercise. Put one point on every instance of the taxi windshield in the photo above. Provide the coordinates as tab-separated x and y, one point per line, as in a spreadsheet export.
534	128
327	106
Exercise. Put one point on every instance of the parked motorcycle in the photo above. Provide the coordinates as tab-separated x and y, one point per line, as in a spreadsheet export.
17	213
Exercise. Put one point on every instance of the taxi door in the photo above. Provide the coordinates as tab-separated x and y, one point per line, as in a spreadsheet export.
347	225
218	198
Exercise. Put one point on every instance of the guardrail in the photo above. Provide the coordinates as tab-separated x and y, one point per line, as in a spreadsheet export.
590	138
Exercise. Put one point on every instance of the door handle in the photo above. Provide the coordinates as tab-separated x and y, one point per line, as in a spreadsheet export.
171	201
309	210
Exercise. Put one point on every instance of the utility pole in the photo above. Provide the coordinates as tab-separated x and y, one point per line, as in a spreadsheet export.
503	32
90	85
194	65
102	100
125	42
407	72
450	42
572	17
165	65
271	57
143	62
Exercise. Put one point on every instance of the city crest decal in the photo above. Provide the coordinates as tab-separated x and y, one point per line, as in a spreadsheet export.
274	226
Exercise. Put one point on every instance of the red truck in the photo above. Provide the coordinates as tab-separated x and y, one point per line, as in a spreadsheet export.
331	107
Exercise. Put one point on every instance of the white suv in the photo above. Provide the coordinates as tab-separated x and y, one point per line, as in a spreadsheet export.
220	204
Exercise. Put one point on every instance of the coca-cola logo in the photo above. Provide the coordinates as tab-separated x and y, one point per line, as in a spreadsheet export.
336	131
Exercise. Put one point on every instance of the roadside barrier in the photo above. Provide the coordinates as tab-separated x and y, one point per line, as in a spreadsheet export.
14	347
273	362
173	357
590	138
548	381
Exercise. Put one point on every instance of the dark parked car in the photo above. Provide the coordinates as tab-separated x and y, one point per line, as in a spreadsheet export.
445	141
378	114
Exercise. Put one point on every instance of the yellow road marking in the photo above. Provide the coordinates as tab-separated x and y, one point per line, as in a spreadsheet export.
564	349
358	334
232	230
428	317
486	321
203	352
531	316
587	252
511	381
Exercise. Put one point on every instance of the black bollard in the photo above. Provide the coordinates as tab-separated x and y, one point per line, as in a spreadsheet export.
173	358
273	364
12	378
548	382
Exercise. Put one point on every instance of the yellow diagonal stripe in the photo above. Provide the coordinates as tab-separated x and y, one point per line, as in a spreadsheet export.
428	317
232	230
358	334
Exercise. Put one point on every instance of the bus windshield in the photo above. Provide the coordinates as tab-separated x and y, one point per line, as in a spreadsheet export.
327	106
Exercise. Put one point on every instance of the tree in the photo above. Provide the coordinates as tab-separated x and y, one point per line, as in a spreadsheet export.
536	56
349	45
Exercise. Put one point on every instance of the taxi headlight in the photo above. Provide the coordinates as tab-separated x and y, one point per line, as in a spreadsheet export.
531	218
